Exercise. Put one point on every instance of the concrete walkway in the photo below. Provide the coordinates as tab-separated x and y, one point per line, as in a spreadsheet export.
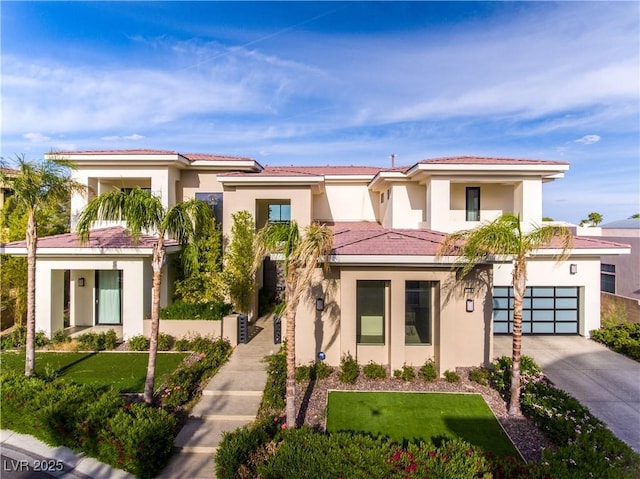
606	382
230	400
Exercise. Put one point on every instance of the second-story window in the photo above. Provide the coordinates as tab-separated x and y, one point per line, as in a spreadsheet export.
473	203
214	200
279	212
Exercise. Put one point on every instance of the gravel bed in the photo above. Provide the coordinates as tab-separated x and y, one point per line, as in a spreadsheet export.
311	402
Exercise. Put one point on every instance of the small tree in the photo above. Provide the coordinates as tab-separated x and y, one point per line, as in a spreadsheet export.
202	284
300	256
144	213
238	274
504	237
37	187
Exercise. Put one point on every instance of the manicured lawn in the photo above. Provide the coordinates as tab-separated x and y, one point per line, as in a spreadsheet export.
417	417
123	371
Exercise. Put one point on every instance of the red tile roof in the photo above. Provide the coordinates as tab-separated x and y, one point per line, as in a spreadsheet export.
358	239
480	160
367	238
310	171
113	237
115	152
206	156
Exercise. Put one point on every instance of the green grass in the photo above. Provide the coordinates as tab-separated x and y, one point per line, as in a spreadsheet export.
125	372
413	417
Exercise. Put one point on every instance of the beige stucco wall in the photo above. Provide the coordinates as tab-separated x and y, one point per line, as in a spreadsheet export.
460	338
196	181
345	201
245	197
408	205
547	272
528	202
495	199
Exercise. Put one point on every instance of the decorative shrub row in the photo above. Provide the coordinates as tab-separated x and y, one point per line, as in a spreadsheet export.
623	338
97	341
586	448
183	383
133	437
313	371
18	338
180	309
266	450
273	397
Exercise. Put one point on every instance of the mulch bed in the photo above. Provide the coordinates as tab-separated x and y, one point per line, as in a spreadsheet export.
311	402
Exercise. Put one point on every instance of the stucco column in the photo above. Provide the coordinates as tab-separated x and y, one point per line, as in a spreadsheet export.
133	284
438	204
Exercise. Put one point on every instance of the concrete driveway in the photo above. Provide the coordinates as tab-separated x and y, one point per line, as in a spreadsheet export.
605	382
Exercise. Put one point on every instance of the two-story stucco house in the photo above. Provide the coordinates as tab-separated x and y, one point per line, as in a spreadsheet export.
386	297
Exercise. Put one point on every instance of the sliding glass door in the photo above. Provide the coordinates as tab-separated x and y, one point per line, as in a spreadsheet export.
108	297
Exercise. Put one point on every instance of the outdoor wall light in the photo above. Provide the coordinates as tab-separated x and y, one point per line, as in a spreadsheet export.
322	356
81	282
469	290
319	304
573	268
470	305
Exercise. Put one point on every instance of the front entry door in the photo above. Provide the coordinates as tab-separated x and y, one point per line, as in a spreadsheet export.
108	297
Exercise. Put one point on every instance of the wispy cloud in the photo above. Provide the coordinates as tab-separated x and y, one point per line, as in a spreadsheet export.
36	137
134	137
588	139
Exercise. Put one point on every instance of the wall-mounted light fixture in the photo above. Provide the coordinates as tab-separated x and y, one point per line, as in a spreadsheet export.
81	282
319	304
469	290
573	268
322	356
470	306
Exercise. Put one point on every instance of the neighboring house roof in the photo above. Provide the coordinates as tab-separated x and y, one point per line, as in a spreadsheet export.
631	223
328	170
115	237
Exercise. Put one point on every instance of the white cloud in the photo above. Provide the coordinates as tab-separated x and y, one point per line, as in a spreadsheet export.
133	137
588	139
36	137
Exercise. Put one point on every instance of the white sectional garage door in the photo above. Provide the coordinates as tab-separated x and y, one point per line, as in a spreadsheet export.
546	310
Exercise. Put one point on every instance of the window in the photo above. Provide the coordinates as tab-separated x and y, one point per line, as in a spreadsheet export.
417	312
608	278
370	311
280	212
473	203
214	200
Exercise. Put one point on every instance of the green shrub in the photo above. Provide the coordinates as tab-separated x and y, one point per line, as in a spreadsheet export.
374	371
349	369
138	343
274	391
237	446
305	453
479	375
180	309
138	439
164	342
97	341
451	376
41	339
14	340
183	384
182	344
60	338
407	373
315	370
428	371
500	374
623	338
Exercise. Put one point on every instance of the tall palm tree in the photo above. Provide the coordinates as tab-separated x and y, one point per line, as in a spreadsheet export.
36	187
504	237
300	255
144	213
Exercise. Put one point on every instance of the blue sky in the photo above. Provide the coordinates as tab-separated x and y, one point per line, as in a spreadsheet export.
337	83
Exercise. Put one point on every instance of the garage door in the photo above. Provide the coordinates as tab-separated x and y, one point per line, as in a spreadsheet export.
546	310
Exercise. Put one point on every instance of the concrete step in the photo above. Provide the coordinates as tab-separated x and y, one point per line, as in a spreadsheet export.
189	465
230	379
227	405
201	436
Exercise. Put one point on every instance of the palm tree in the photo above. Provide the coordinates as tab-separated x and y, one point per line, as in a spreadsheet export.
300	256
504	237
595	218
144	213
36	187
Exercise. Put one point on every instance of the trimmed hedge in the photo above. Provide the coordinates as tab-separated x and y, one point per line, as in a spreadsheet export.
180	309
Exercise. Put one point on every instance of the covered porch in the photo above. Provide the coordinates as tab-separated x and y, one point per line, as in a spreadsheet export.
108	282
